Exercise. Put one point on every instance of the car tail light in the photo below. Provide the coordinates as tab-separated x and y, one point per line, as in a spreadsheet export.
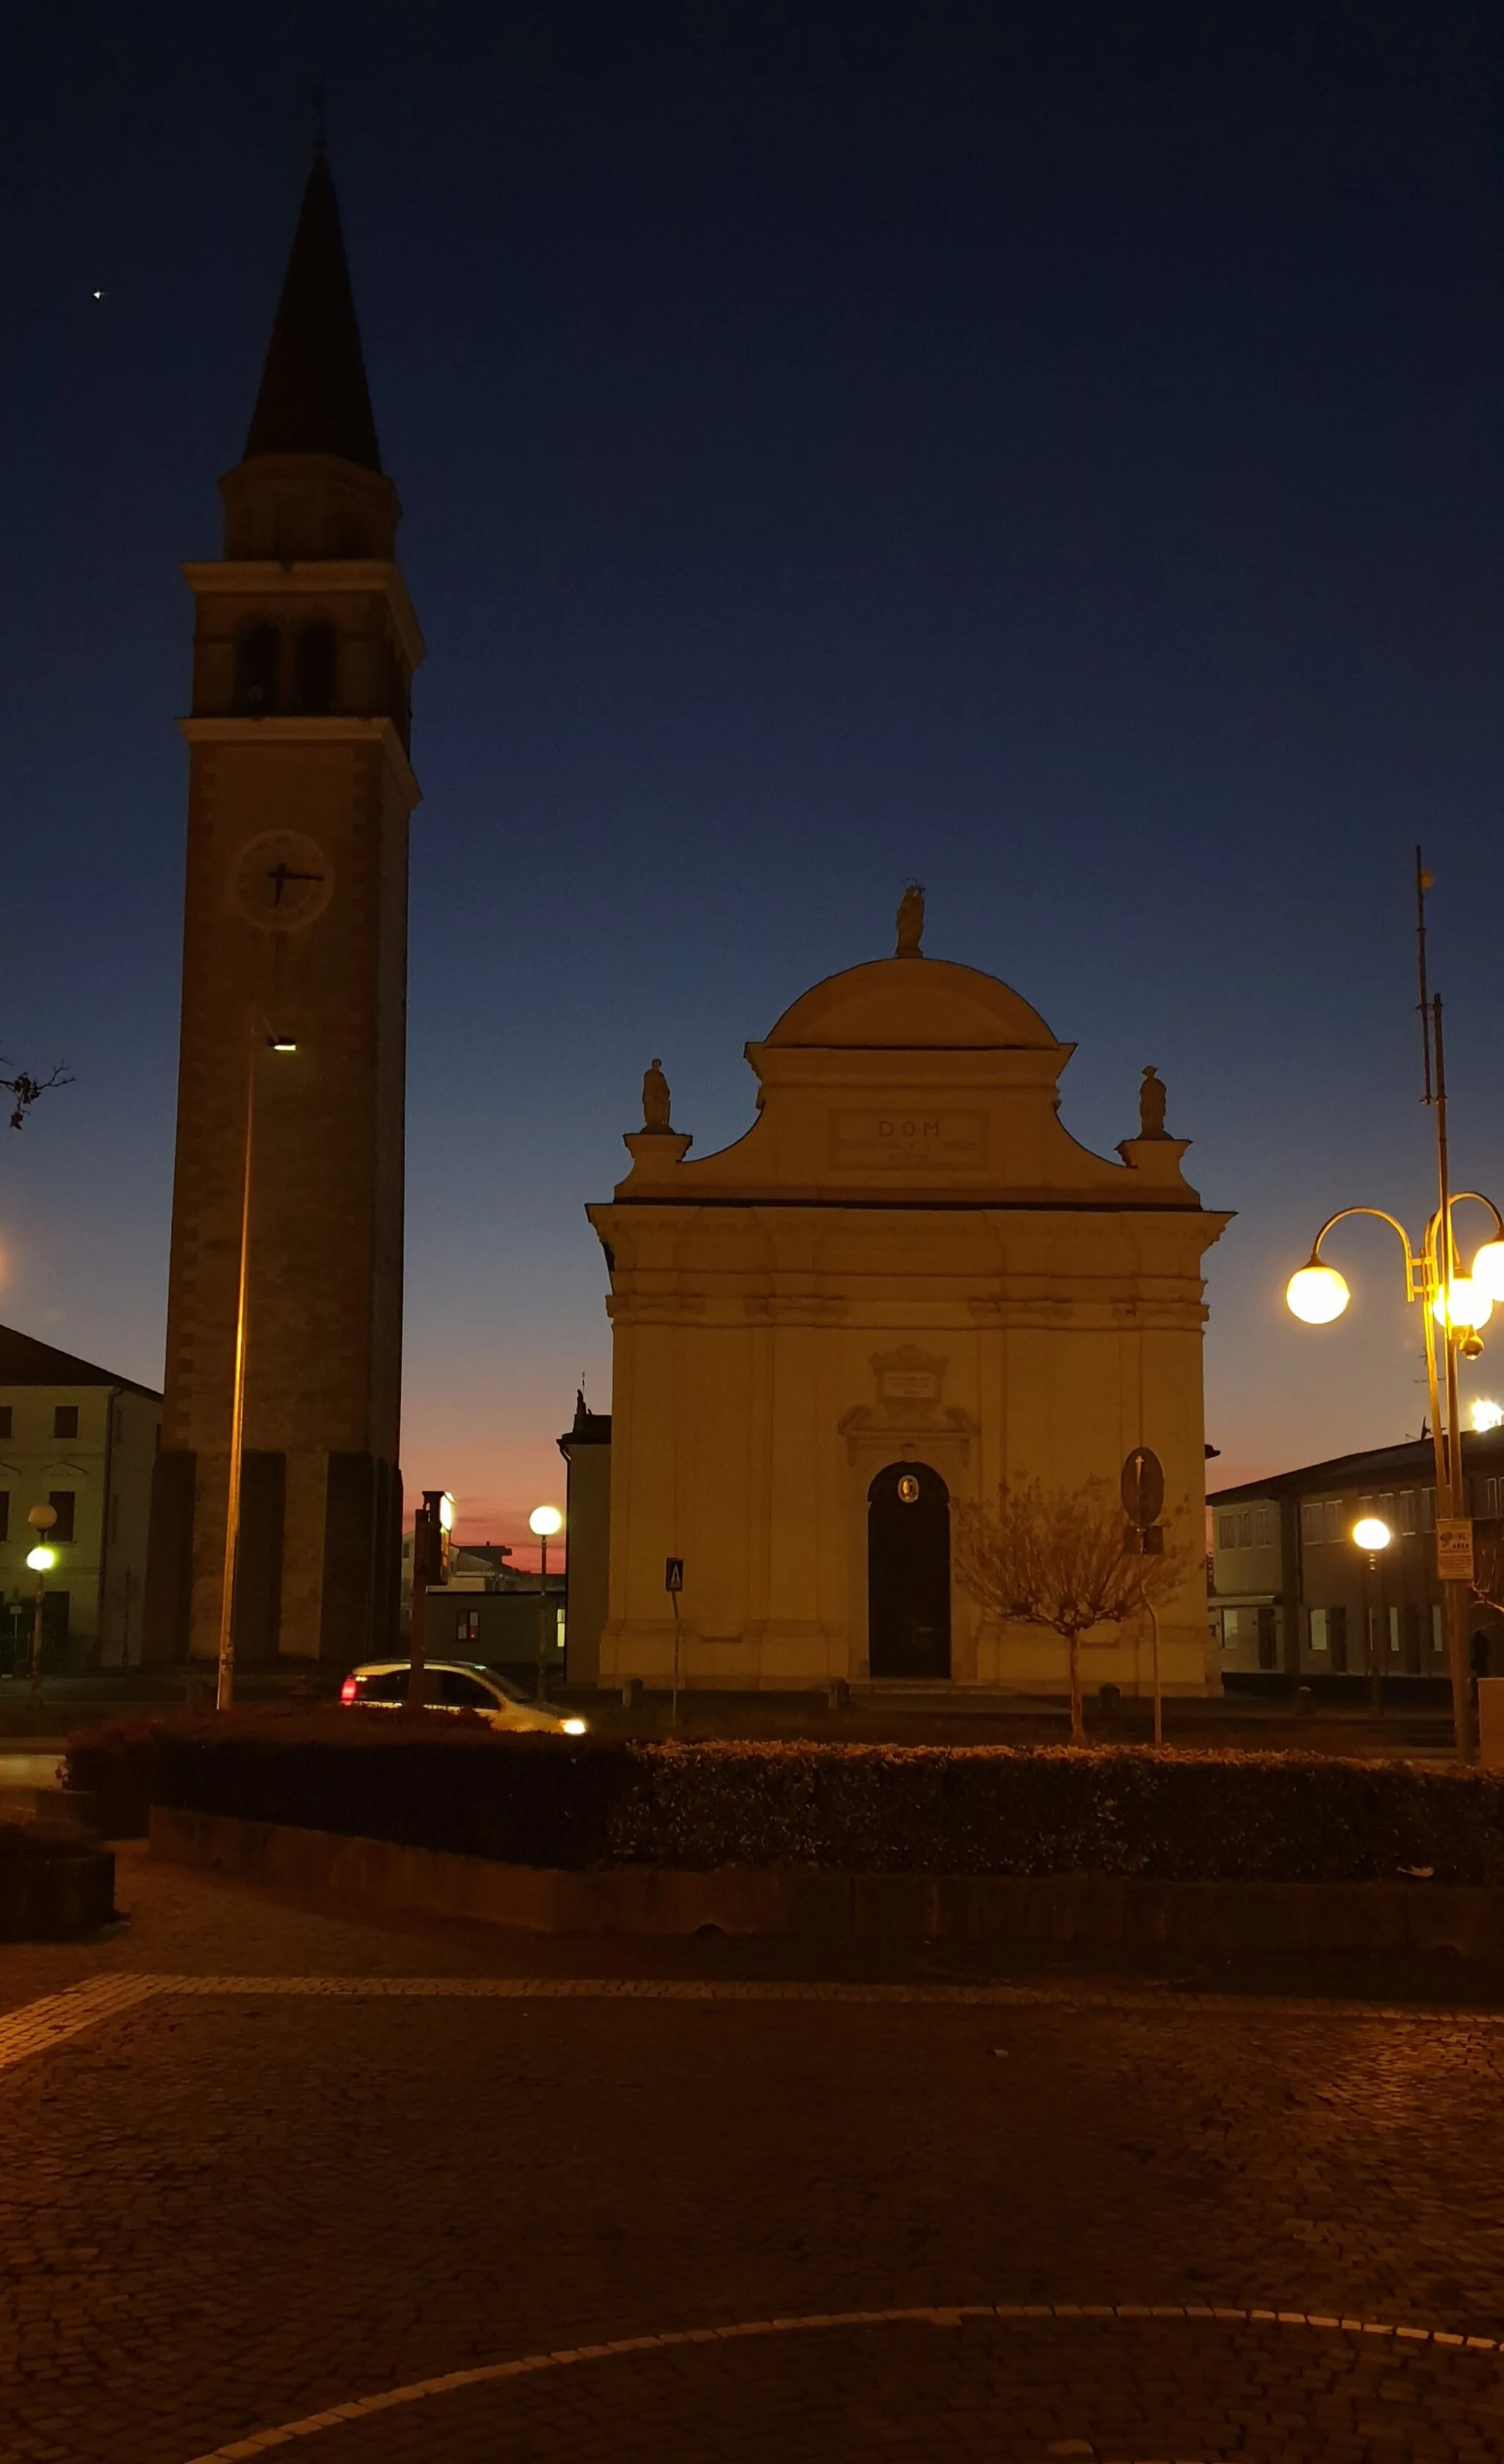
347	1690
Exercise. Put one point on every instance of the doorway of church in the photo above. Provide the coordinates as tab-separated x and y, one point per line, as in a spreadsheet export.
908	1573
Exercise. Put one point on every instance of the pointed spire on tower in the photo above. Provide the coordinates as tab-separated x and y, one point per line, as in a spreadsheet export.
314	398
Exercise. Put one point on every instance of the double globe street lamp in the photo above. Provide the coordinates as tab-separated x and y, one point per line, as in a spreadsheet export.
1455	1308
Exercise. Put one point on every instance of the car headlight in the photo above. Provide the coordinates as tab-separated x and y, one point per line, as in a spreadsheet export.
574	1728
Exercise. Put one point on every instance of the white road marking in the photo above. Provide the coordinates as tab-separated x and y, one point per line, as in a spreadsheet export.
491	2373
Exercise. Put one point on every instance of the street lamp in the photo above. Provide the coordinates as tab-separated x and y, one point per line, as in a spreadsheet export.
41	1559
1455	1304
1453	1309
1372	1535
543	1521
262	1039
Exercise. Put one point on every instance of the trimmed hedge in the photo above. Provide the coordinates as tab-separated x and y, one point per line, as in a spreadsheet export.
581	1803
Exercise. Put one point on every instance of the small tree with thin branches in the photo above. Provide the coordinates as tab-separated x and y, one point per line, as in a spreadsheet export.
1062	1558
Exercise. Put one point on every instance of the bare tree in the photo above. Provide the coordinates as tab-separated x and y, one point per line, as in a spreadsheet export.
25	1090
1061	1558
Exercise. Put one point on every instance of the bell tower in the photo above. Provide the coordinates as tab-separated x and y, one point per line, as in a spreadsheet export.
288	1194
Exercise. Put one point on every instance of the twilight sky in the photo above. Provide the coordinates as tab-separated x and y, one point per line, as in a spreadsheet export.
1054	451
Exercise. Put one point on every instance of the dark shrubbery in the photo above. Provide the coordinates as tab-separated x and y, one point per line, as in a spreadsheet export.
582	1802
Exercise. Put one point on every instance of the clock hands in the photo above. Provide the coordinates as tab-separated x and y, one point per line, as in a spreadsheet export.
280	874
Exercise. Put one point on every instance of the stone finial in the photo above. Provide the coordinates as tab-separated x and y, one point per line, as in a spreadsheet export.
911	921
655	1098
1151	1106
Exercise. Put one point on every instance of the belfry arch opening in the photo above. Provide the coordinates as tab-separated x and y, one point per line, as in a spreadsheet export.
908	1573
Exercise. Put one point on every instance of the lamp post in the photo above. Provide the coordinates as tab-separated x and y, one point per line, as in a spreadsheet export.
1455	1307
543	1521
262	1039
1458	1306
1372	1535
41	1559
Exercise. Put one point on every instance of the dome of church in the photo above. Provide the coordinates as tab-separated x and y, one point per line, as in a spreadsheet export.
911	1004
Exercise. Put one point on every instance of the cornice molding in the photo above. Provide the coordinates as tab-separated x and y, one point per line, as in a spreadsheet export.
337	730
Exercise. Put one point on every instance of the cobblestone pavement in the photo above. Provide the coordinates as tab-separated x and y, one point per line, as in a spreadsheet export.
225	2210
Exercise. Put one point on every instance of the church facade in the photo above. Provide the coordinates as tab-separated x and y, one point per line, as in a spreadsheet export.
904	1287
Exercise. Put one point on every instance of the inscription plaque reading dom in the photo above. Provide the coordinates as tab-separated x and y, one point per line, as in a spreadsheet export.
916	1140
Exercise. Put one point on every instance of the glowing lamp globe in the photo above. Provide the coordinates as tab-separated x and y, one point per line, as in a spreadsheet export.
1487	1416
41	1559
1316	1294
1488	1269
1370	1533
545	1520
1460	1304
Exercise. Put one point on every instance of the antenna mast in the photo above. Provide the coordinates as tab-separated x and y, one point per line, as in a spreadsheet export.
1422	883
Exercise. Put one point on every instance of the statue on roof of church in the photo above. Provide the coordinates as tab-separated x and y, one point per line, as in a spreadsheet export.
911	921
1151	1106
655	1098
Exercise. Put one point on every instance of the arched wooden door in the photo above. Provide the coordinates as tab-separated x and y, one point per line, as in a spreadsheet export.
908	1573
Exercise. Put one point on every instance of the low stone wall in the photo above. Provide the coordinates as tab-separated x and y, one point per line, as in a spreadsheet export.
809	1900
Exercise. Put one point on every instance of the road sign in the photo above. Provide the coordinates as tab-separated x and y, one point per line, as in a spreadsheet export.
1142	1487
1455	1548
673	1573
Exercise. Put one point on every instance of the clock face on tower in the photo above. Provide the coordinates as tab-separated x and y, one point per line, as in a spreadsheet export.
281	881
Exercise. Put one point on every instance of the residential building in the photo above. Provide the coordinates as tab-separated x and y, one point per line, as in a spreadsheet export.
1292	1592
505	1629
83	1441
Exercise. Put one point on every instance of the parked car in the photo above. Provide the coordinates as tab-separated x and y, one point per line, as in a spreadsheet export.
455	1685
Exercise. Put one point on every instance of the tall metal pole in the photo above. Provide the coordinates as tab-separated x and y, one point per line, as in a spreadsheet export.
418	1608
224	1693
543	1616
38	1621
1422	883
1455	1593
1373	1620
